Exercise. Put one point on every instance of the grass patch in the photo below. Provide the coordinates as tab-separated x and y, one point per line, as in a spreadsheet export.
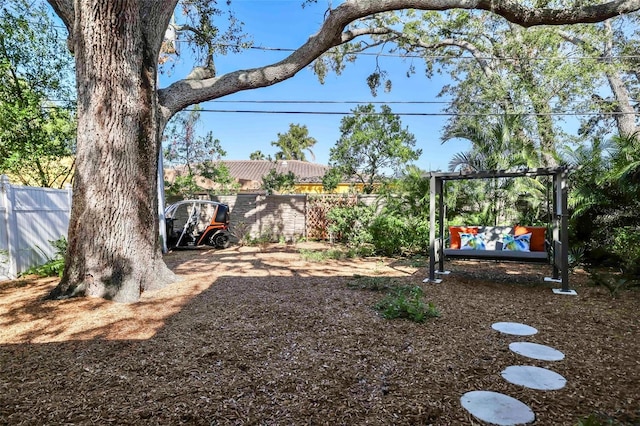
360	282
401	301
414	261
322	255
614	282
54	266
407	302
600	419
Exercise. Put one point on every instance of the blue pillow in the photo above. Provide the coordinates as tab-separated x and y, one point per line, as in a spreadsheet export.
516	243
472	242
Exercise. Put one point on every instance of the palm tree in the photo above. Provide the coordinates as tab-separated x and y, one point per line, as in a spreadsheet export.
293	143
604	199
625	162
498	146
501	145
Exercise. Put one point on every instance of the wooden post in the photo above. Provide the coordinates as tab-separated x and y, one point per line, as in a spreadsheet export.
441	221
11	226
561	232
556	205
564	226
432	229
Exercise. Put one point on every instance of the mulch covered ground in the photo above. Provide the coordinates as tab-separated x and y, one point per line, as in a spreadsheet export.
262	337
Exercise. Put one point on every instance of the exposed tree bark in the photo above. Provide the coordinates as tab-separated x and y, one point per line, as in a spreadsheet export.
625	115
113	234
114	250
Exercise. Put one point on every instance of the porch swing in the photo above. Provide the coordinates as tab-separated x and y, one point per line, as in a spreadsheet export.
538	249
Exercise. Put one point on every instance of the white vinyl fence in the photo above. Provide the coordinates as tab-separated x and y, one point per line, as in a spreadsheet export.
29	218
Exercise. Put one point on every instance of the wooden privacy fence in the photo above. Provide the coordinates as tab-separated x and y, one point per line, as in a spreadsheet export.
317	209
29	218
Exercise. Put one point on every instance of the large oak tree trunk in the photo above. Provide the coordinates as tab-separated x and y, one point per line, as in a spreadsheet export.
114	250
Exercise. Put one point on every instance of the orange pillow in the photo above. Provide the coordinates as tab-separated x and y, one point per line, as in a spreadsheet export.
454	233
537	235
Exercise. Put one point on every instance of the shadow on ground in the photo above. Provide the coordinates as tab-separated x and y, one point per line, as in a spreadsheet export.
263	337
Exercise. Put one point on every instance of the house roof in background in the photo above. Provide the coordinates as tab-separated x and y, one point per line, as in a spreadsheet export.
254	170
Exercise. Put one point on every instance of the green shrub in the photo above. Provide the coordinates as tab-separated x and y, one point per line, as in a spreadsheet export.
576	256
350	225
263	240
388	234
406	302
419	236
385	234
241	231
392	235
54	266
613	282
625	245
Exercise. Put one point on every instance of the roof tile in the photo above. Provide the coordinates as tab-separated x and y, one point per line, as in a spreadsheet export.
255	169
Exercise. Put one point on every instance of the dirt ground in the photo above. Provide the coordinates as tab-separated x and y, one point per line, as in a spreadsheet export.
263	337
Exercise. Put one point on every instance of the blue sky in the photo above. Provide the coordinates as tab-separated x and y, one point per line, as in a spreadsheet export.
285	24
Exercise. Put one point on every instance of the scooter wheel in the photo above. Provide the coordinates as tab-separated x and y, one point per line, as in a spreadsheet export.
221	241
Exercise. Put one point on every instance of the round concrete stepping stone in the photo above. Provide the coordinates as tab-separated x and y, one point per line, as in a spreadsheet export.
514	328
497	408
536	351
533	377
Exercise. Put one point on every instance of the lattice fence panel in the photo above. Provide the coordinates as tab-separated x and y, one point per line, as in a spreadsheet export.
317	209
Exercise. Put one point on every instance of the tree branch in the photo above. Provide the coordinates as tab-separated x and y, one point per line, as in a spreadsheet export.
184	93
625	113
156	15
349	35
65	10
480	57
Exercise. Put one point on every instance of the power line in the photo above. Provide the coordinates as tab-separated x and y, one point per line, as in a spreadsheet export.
327	102
302	101
415	56
408	114
418	114
418	56
287	101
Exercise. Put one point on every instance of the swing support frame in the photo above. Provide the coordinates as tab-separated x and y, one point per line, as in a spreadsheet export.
560	239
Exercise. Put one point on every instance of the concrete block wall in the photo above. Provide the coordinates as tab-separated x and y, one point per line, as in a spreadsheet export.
280	216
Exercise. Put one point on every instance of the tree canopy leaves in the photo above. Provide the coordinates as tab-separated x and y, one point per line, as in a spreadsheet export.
37	121
116	263
498	68
194	156
372	144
